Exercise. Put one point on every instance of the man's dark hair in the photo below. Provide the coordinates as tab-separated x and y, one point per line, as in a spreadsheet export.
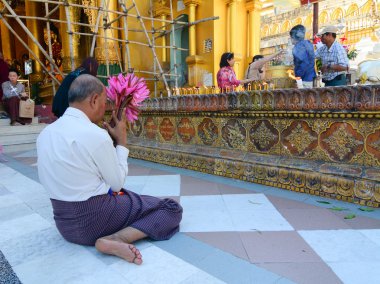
224	59
84	86
14	70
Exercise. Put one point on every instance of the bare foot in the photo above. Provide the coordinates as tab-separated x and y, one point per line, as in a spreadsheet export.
123	250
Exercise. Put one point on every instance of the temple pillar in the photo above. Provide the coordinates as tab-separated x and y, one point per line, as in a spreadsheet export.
7	42
254	8
107	48
74	14
32	9
193	61
232	33
163	12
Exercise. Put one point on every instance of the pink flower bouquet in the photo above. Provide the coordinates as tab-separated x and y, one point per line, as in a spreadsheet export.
127	92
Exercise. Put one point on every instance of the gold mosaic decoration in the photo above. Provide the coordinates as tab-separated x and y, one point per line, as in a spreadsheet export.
341	142
263	136
300	138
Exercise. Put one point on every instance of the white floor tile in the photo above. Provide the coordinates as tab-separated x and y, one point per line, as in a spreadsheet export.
161	185
9	200
63	266
358	272
34	245
202	277
22	226
342	245
103	276
31	153
373	235
213	213
158	267
259	220
14	211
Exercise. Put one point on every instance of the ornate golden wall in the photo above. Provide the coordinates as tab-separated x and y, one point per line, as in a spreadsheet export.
322	141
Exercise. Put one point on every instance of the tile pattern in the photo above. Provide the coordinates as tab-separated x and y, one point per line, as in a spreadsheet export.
232	232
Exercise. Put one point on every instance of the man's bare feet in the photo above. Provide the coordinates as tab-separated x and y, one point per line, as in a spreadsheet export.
115	247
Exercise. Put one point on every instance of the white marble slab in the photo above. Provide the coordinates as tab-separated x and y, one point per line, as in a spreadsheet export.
202	277
342	245
357	272
373	235
22	226
237	212
159	267
161	185
63	266
9	200
34	245
14	211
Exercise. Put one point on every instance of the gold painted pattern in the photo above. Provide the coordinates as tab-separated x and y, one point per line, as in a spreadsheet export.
341	142
263	136
300	138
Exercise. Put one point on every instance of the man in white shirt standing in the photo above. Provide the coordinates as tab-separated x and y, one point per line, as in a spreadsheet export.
84	174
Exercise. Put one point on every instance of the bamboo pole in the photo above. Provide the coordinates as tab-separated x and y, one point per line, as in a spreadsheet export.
153	43
152	48
115	12
96	29
49	42
126	42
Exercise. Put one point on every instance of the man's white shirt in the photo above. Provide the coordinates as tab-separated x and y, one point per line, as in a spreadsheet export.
77	159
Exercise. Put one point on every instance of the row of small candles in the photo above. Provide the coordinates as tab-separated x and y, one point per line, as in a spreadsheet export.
256	86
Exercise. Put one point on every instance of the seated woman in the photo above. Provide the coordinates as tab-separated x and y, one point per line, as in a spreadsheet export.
13	91
255	69
226	76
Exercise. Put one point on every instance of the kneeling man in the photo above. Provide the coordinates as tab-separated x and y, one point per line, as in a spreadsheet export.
80	168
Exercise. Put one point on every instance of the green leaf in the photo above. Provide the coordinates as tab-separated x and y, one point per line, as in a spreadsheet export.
350	216
338	208
250	201
323	202
366	209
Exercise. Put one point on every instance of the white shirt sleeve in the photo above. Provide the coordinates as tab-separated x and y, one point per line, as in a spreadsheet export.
112	164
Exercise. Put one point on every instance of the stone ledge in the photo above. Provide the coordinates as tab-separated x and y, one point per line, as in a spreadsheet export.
336	181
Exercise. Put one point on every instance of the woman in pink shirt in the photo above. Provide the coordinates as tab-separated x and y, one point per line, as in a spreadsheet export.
226	76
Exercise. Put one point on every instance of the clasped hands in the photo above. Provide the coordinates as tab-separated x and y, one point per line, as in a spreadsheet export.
119	131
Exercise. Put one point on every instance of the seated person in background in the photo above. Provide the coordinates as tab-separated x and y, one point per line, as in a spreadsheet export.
84	174
303	56
255	70
60	100
13	91
226	76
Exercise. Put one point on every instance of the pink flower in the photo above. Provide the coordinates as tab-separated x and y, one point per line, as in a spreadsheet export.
128	87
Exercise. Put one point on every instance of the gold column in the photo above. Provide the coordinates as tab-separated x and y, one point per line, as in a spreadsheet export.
163	51
254	9
194	61
31	9
112	49
192	40
233	18
7	42
162	11
74	14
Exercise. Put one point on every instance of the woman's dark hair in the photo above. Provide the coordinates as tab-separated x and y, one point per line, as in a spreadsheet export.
223	60
257	57
91	65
